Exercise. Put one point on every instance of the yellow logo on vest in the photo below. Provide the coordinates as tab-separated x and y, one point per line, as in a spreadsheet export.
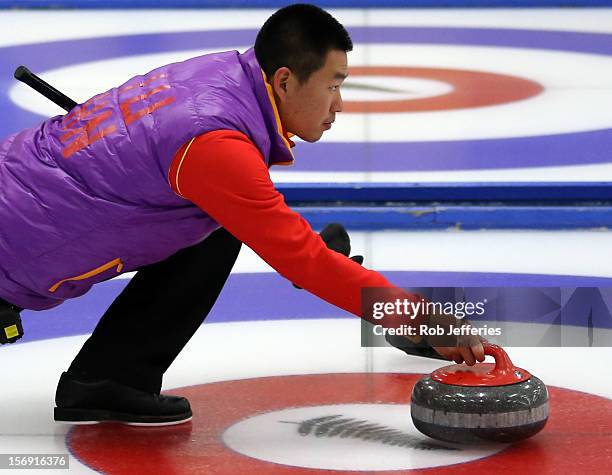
11	331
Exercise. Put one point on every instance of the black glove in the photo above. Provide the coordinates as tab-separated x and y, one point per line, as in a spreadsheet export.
422	348
337	239
10	324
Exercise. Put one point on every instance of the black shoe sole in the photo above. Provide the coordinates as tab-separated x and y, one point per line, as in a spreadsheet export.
95	416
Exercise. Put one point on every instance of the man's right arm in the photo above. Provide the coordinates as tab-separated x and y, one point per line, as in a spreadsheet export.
224	174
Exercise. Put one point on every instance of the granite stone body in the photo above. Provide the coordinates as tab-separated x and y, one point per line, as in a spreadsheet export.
476	414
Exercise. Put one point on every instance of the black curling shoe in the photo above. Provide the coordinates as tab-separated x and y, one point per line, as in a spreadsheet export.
83	400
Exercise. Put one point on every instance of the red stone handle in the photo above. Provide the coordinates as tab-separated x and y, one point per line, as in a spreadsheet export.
483	374
503	363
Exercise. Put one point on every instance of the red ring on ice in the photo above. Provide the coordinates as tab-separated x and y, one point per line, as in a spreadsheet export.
470	89
576	420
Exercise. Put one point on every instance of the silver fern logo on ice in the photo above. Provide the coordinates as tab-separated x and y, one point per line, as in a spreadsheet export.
349	427
367	437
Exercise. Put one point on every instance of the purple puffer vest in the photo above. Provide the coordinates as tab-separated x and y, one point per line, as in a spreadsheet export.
85	196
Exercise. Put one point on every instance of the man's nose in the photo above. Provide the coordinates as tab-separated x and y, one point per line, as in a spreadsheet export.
338	104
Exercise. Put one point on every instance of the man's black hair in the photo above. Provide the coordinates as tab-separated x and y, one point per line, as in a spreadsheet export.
299	37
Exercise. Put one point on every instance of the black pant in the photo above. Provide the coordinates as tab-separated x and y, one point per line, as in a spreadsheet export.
159	310
5	304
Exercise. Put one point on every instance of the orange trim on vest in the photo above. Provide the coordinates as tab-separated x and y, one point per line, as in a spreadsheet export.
279	126
109	265
178	169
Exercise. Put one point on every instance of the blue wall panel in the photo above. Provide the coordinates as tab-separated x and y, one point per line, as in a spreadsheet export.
280	3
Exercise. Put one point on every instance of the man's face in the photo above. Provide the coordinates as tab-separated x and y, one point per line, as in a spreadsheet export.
307	110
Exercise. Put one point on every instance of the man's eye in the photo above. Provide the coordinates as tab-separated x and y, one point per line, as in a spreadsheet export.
334	88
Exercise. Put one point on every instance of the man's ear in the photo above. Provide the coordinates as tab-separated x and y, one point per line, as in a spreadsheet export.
279	82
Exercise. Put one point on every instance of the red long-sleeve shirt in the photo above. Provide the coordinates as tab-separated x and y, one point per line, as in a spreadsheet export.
224	174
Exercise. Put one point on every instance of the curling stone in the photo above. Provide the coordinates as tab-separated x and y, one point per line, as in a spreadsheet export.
483	403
